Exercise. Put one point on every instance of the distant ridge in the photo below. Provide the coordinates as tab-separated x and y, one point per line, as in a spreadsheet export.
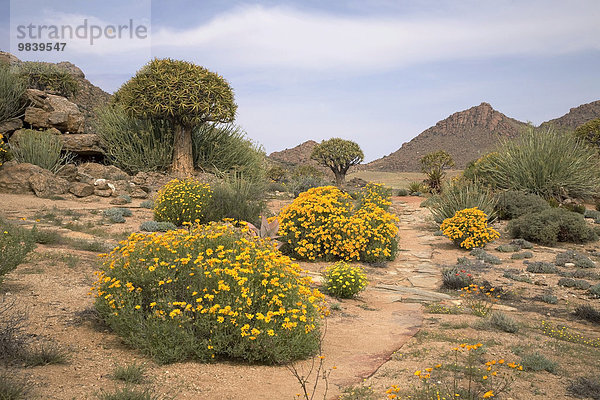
466	135
575	117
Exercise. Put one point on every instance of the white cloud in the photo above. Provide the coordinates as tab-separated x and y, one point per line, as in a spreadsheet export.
276	38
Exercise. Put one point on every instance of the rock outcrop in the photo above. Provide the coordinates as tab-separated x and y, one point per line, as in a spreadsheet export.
51	111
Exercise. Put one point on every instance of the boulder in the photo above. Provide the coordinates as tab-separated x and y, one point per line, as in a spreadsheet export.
14	177
99	171
81	189
103	192
82	144
10	125
137	192
50	110
68	172
27	178
47	184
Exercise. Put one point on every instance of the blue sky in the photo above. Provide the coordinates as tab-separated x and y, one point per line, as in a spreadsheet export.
375	71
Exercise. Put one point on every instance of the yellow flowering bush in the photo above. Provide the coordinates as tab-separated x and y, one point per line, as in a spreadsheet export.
182	201
324	223
344	281
377	194
213	291
3	150
468	228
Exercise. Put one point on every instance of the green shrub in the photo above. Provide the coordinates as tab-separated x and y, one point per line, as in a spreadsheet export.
402	192
541	267
301	184
507	248
128	393
213	292
225	149
460	195
133	144
484	256
12	92
132	373
48	77
147	204
551	226
503	322
538	362
276	173
182	201
590	133
13	387
549	298
588	313
515	276
455	278
574	283
521	243
593	214
521	255
513	204
595	290
571	256
416	188
585	388
15	244
344	281
236	198
580	273
577	208
549	164
117	215
153	226
40	148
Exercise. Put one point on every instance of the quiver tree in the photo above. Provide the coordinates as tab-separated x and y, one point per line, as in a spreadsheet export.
338	155
590	133
434	164
182	93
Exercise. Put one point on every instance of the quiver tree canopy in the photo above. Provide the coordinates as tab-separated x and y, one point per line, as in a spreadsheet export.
183	93
338	155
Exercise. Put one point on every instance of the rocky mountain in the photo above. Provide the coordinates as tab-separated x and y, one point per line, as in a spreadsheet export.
466	135
575	117
299	155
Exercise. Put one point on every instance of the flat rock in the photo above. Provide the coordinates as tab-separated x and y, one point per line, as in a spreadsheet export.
415	294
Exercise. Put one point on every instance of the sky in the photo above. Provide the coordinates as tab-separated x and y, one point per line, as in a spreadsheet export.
378	72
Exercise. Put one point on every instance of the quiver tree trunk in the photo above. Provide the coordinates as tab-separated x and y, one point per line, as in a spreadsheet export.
183	160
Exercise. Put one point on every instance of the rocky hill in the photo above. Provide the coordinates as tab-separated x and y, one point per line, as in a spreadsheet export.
299	155
575	117
88	96
466	135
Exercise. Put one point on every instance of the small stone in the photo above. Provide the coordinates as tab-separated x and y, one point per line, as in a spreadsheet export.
570	265
119	201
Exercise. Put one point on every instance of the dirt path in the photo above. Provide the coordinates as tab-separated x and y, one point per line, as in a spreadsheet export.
362	334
